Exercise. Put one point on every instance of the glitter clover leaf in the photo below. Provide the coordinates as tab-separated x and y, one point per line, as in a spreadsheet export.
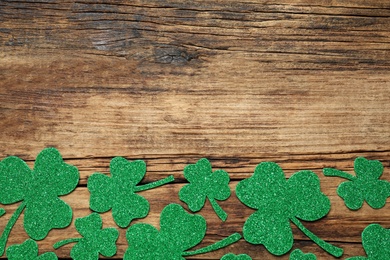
179	231
299	255
376	243
279	201
28	250
365	186
118	192
95	239
204	183
39	189
231	256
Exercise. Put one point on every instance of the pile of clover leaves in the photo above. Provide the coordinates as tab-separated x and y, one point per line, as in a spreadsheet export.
278	202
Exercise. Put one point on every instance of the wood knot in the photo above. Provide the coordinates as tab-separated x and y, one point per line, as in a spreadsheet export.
173	55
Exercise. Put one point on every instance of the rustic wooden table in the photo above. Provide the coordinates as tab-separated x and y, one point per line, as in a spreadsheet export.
239	82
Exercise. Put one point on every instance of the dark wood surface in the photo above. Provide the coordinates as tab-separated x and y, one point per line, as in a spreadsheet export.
239	82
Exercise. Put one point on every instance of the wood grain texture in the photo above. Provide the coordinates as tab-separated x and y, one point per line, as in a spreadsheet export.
239	82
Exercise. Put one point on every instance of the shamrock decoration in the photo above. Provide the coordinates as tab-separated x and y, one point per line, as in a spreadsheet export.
279	201
118	192
365	186
231	256
28	250
299	255
95	240
179	231
204	183
39	190
376	243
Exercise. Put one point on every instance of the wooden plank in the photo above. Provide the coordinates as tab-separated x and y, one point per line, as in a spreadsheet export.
239	82
102	122
238	167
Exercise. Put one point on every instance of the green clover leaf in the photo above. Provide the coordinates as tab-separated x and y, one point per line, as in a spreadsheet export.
231	256
95	239
376	243
118	192
204	183
28	250
365	186
179	231
39	190
279	201
299	255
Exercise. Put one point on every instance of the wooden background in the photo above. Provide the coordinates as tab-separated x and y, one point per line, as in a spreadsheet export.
237	81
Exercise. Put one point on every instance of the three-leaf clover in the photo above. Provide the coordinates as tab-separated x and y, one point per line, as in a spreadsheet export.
231	256
279	201
118	192
28	250
376	243
204	183
179	231
297	254
95	239
365	186
39	190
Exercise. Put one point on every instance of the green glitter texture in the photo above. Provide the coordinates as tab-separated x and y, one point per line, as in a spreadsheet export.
299	255
365	186
231	256
28	250
204	183
376	243
279	201
179	231
118	192
39	190
95	240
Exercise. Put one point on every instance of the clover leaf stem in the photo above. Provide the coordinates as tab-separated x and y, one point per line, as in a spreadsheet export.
8	227
331	249
154	184
220	212
66	241
330	172
218	245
